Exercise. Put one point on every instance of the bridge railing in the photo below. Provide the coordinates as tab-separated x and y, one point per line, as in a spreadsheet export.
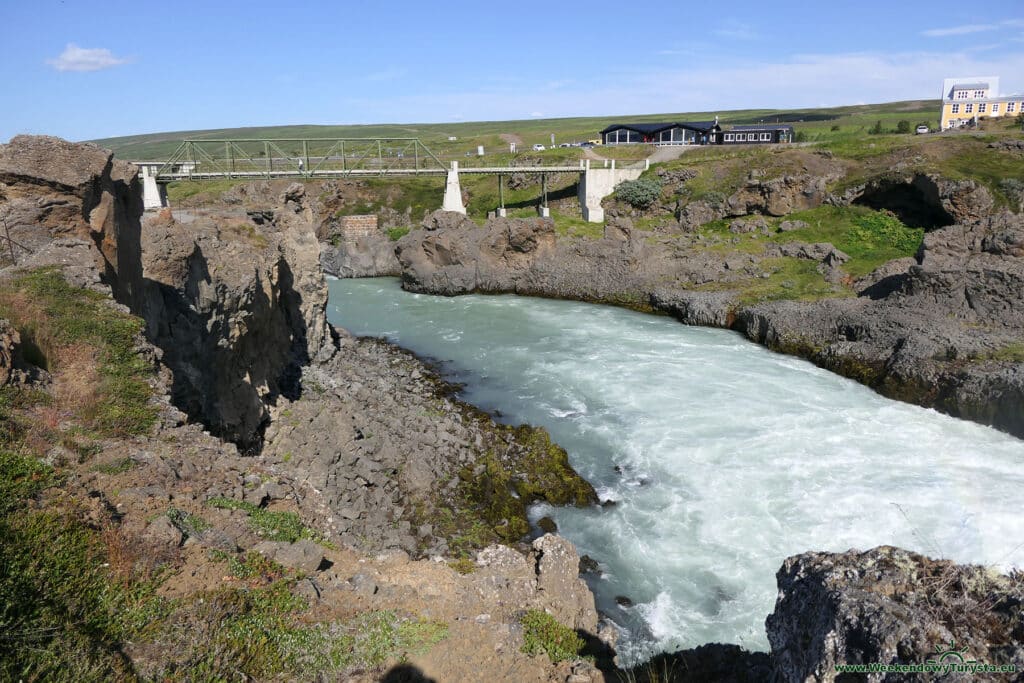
310	157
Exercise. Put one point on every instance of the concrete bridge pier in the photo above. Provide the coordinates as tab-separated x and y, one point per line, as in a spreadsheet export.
453	191
154	194
598	183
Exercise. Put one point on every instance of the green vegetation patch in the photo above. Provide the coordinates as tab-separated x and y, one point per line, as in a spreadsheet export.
500	489
64	613
640	193
542	634
269	524
71	332
395	234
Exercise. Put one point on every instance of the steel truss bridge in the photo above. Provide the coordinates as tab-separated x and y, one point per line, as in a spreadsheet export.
313	158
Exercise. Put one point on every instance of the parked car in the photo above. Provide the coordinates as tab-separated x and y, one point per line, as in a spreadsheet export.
539	147
587	145
921	130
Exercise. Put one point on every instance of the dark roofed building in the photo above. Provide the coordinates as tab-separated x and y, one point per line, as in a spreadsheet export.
759	134
666	133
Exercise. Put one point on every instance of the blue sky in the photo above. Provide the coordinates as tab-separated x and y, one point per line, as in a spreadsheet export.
82	71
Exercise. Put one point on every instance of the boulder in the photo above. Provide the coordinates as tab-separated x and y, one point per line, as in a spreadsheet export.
891	606
561	591
302	555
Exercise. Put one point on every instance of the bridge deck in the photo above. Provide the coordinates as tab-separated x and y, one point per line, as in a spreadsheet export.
362	172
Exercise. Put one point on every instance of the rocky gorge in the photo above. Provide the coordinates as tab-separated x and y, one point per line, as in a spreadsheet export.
262	407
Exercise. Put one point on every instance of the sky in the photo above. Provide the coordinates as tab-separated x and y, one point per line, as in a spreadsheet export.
83	71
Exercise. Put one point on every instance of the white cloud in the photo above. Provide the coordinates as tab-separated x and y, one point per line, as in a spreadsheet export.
965	29
76	58
959	30
391	74
737	32
789	83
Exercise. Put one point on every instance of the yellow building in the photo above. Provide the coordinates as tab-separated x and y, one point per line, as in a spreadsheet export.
965	101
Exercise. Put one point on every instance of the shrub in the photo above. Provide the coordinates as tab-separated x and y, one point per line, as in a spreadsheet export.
876	129
835	128
641	193
903	126
395	234
542	633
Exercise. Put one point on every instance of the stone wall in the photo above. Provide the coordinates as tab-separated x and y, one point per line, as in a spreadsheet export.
351	228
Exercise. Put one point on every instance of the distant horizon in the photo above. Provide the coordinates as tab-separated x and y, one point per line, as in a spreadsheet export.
193	66
486	121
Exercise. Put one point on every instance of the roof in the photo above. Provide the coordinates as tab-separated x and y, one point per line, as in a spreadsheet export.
970	86
651	128
762	127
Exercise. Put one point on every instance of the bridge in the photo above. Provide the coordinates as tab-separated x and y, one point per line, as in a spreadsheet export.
322	158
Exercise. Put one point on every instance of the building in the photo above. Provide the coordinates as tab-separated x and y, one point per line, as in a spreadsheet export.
965	101
665	133
760	134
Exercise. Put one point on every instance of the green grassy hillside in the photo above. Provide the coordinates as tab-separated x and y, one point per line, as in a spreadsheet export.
816	124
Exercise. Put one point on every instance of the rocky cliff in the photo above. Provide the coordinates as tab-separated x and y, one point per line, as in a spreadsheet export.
238	309
892	607
50	188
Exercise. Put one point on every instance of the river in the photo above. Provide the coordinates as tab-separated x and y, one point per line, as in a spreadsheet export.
723	458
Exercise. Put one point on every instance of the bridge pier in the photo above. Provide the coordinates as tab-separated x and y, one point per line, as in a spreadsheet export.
154	194
453	191
598	183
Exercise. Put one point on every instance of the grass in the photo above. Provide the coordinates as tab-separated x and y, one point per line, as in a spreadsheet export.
542	634
89	348
272	525
66	602
119	466
869	237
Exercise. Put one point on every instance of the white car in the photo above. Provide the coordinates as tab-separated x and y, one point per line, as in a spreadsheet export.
539	147
921	130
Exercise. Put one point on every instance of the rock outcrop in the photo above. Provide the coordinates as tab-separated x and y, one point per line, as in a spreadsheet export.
890	606
238	309
51	188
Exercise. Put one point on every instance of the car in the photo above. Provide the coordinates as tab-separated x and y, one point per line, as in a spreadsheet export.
921	130
539	147
587	145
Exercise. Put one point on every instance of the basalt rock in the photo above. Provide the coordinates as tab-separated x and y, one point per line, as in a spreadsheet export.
237	309
891	606
51	188
778	196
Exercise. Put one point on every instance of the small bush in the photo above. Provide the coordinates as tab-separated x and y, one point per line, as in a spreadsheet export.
395	234
903	126
1014	191
641	193
885	229
876	129
273	526
542	633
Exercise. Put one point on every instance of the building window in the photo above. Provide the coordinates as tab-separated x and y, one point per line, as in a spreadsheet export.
981	107
751	137
979	93
956	108
995	107
960	95
728	137
766	137
969	108
1010	106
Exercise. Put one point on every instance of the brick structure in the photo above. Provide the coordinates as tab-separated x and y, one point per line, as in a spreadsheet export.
351	228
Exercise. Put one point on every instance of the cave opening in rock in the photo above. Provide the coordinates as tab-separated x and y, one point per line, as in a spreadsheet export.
910	204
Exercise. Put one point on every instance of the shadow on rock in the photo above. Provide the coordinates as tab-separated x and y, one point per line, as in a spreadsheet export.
404	673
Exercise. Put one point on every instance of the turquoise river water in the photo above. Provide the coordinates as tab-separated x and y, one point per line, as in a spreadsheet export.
723	458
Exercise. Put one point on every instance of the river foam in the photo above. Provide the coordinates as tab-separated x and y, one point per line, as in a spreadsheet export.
722	457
